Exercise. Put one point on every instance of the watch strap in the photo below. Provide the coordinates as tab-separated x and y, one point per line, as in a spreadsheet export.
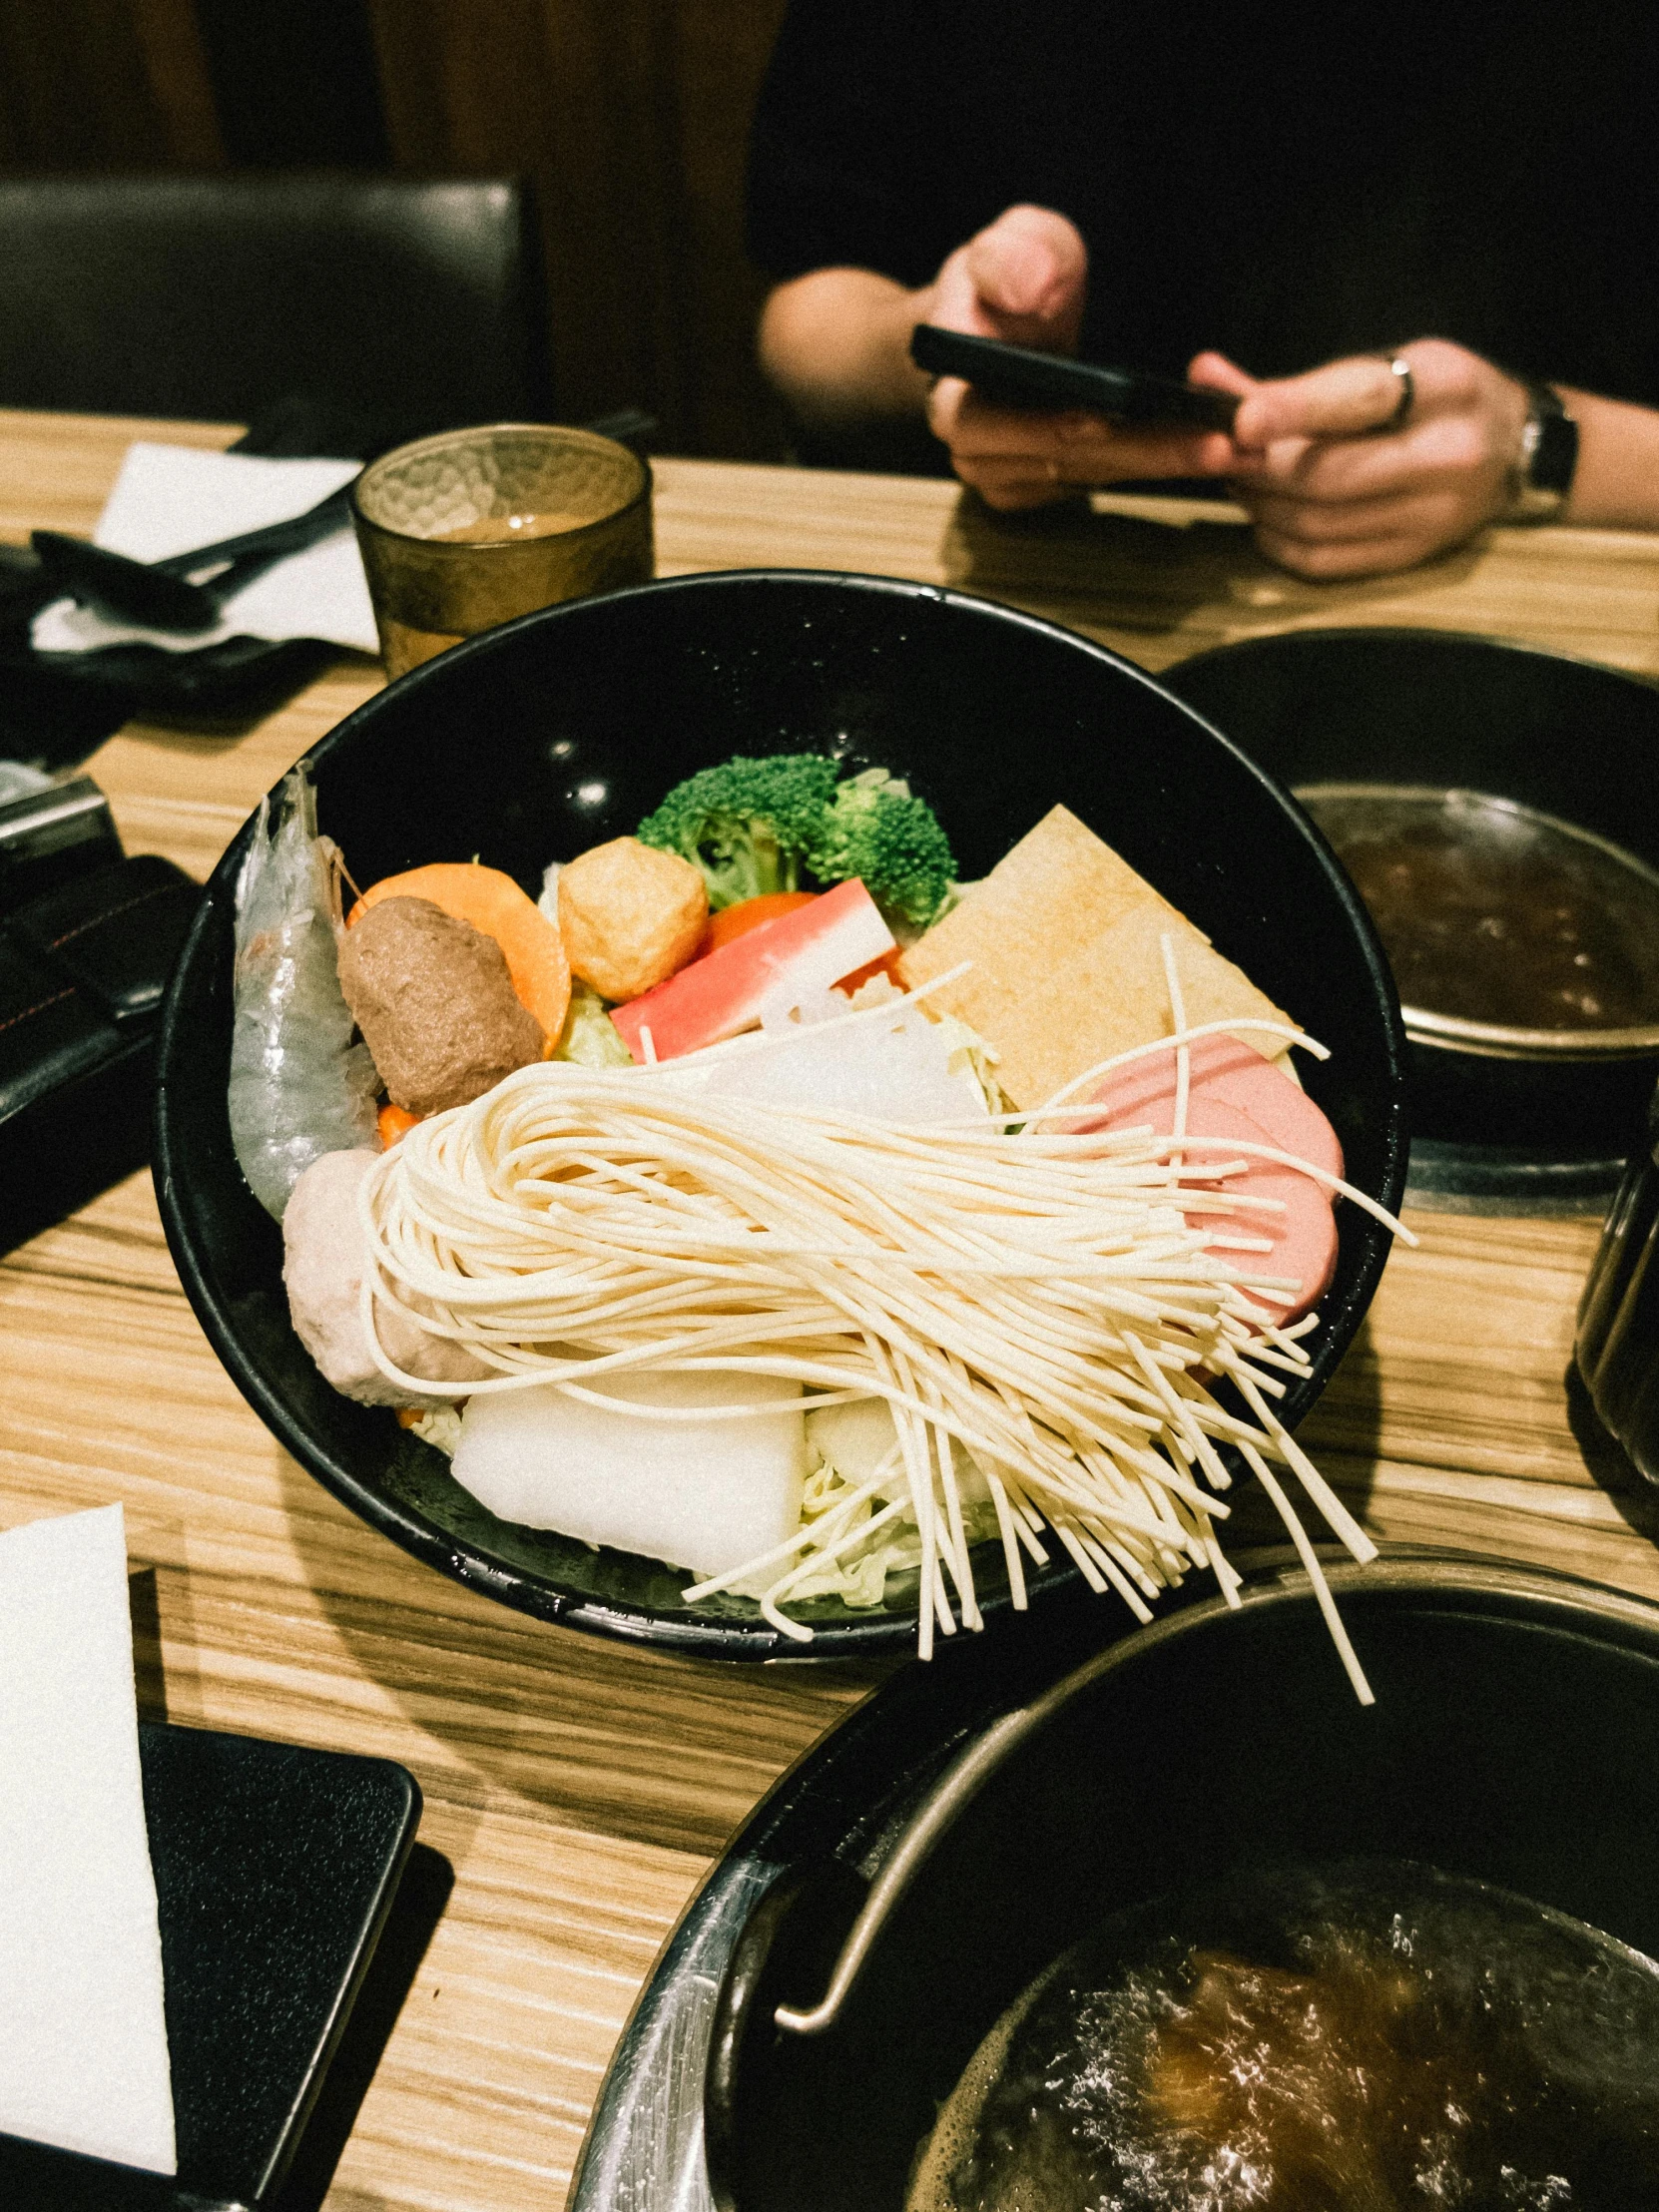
1543	471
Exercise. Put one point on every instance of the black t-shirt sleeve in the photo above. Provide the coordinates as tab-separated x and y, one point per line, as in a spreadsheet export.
830	184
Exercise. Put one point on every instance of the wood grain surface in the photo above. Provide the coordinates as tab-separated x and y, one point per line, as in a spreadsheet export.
579	1789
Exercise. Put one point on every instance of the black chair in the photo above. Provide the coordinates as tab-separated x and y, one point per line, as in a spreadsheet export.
406	302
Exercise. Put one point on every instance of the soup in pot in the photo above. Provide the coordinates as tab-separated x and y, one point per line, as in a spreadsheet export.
1367	2036
1491	911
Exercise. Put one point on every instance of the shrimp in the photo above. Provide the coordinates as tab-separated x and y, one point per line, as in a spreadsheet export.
299	1086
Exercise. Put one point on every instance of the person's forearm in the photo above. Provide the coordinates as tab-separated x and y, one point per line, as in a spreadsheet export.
1616	483
836	343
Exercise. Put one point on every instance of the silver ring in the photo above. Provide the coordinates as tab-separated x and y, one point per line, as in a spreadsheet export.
1405	388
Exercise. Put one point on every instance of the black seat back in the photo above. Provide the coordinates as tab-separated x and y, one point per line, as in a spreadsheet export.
412	301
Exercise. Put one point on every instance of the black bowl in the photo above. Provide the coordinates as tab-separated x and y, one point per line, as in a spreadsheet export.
1512	1741
555	731
1432	708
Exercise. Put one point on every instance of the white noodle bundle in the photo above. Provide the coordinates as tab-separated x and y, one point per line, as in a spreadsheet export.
1046	1299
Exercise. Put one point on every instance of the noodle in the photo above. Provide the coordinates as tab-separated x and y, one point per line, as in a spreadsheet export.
1041	1300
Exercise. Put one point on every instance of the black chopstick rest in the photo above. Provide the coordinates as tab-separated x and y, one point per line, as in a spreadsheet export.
116	935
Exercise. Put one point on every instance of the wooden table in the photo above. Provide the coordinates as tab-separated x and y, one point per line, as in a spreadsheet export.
577	1788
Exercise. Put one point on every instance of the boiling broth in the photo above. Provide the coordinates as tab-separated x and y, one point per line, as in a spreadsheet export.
1491	911
1364	2037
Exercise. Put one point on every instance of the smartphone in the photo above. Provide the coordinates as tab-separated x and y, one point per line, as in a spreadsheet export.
1015	376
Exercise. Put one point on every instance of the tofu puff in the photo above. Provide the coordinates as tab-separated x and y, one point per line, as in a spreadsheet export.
630	917
1062	963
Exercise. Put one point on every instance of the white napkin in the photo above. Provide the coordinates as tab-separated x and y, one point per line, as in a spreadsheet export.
168	498
83	2033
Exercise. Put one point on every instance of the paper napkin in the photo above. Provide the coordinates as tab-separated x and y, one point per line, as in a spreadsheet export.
83	2034
168	498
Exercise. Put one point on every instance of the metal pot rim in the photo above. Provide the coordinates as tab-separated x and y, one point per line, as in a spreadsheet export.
1403	1573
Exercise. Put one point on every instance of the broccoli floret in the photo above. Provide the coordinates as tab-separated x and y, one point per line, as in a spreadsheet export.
877	831
747	824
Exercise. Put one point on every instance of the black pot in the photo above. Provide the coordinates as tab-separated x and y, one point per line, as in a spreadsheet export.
1430	707
555	731
1514	1739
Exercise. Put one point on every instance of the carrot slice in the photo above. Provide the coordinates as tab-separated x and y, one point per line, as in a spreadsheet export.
887	965
492	902
394	1122
748	913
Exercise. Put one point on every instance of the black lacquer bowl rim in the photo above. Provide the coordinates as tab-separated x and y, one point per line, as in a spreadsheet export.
889	1633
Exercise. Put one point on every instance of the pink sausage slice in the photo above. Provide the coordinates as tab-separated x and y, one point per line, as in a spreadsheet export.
1224	1069
1303	1235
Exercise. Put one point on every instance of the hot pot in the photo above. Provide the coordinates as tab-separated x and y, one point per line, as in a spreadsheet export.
1425	708
1513	1739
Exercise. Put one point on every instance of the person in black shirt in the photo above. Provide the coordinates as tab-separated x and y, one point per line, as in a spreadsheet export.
1234	194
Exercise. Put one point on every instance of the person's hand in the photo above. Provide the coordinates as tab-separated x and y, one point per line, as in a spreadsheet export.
1337	488
1024	279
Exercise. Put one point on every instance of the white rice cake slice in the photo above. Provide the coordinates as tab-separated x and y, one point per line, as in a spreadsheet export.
706	1494
83	2033
894	1065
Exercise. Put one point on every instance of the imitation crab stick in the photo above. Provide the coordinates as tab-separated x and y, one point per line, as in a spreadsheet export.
733	922
723	992
495	904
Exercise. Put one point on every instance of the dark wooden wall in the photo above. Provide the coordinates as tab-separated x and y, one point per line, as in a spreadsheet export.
631	115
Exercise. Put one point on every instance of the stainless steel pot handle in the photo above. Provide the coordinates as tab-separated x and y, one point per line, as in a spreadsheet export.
1405	1567
960	1781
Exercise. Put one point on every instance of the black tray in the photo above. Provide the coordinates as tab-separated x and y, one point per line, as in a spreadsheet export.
275	1869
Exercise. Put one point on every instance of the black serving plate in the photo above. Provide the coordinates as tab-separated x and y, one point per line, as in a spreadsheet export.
565	727
1513	1740
1429	707
275	1869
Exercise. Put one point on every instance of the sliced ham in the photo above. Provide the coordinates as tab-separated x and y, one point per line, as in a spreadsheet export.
1302	1237
725	992
1223	1068
1236	1097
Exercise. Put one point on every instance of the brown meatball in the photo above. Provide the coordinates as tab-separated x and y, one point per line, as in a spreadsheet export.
437	1006
630	917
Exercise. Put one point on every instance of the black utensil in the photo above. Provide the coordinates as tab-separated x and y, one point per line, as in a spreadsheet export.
157	594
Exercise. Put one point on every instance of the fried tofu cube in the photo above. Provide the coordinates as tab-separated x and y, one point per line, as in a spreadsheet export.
1067	964
630	917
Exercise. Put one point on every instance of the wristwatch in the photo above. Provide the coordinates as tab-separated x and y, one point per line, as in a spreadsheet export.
1543	475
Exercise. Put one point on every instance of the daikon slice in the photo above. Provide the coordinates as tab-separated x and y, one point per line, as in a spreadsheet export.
893	1066
700	1494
